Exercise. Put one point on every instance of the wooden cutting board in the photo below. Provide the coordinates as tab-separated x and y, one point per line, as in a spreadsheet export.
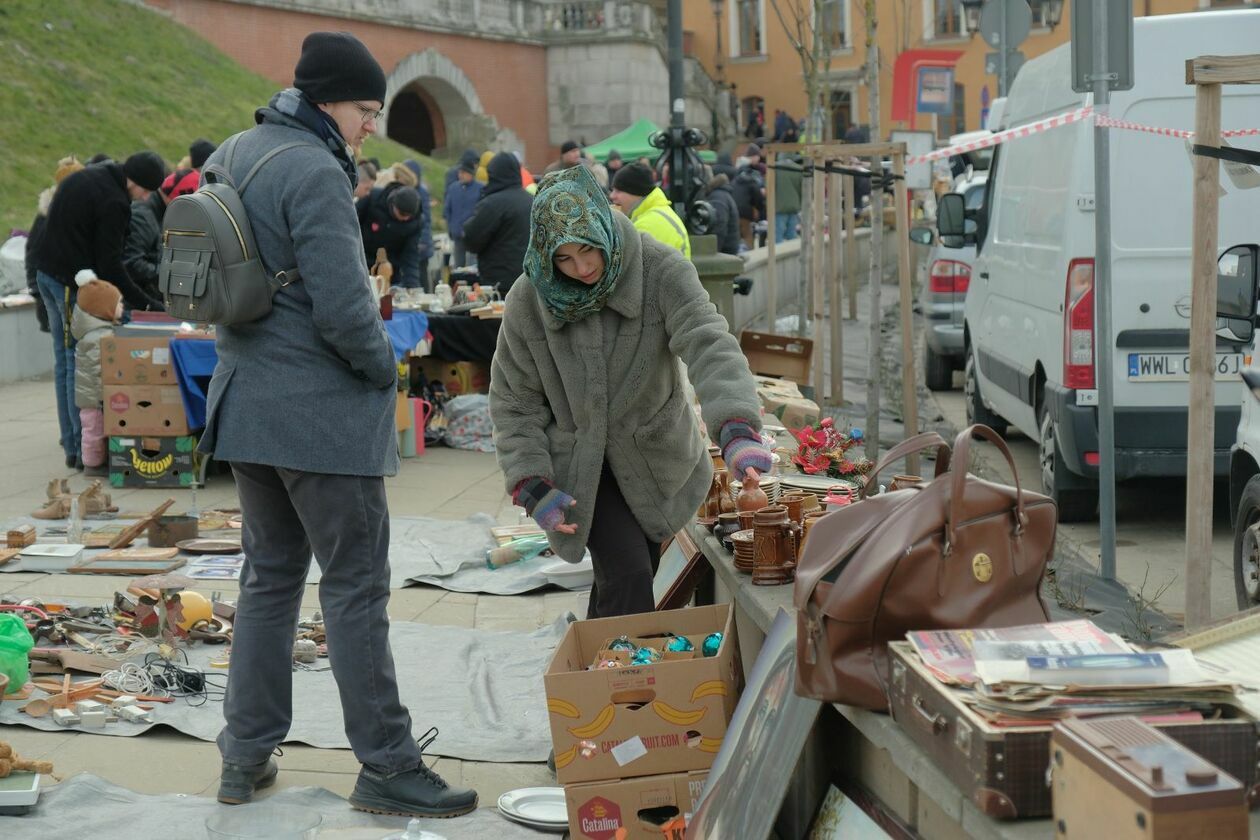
138	554
7	554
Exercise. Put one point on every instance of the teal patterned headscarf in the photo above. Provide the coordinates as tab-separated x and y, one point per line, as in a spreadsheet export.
571	207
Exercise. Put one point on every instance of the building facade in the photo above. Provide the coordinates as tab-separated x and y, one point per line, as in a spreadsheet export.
748	47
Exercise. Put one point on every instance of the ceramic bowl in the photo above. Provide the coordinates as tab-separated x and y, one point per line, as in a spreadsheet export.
570	575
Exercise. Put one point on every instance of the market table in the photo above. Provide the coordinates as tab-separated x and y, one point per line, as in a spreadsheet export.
903	779
463	338
194	360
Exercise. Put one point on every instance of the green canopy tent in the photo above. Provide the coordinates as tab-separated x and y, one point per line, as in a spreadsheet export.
633	144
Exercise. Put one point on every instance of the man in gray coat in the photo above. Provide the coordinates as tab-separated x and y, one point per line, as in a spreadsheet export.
302	406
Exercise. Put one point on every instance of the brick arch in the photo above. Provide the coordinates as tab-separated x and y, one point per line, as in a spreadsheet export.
454	107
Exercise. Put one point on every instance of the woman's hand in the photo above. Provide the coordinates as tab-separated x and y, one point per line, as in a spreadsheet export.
547	503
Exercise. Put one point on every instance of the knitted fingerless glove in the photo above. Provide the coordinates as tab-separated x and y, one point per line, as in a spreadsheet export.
543	501
742	448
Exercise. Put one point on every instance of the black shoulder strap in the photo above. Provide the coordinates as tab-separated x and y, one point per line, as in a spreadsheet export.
1228	153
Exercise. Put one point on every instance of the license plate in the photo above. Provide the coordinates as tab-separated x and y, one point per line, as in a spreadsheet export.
1175	367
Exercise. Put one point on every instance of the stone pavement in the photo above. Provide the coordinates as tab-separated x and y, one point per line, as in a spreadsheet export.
444	483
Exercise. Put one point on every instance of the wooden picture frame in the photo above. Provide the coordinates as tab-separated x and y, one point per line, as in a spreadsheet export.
678	572
131	567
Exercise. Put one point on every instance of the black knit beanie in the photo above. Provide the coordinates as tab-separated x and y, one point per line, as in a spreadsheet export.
405	200
146	169
199	151
337	67
635	179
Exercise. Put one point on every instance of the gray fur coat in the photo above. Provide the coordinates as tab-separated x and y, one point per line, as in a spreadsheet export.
565	398
311	386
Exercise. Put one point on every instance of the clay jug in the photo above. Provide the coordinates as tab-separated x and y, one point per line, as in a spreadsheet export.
774	538
727	524
751	498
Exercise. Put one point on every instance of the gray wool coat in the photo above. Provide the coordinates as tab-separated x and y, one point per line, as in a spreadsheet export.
311	386
565	398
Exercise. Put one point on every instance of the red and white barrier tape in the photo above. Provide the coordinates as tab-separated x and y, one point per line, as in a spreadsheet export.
1067	118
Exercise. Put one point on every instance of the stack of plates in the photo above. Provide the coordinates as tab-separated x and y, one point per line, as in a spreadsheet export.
542	808
743	542
571	575
815	484
769	484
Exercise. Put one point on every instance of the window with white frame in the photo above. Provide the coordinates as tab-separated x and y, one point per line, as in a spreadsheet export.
833	21
748	20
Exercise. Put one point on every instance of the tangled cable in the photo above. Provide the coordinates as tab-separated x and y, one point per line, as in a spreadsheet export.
194	686
131	678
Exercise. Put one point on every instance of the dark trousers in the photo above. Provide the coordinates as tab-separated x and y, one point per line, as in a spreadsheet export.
625	558
344	521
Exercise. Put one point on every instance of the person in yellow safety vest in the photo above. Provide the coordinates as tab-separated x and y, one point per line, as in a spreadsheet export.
635	192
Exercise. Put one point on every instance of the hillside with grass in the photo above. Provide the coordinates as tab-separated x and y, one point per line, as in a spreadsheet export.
86	76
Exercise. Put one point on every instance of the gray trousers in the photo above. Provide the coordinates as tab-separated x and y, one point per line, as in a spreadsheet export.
344	521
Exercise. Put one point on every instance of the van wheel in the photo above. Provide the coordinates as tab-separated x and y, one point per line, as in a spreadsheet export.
976	410
1247	546
938	370
1075	496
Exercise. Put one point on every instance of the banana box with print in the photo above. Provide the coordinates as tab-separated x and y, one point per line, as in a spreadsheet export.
637	696
133	357
153	461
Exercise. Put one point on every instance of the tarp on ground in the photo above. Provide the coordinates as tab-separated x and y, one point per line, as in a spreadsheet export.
482	689
633	143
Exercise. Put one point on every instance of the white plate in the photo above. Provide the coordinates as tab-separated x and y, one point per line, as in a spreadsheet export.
809	482
570	575
541	807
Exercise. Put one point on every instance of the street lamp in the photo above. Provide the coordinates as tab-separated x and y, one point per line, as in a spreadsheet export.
717	16
971	15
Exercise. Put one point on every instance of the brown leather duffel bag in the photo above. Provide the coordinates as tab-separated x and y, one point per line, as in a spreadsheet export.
952	553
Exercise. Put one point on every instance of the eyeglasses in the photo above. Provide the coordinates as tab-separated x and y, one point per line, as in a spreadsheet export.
369	114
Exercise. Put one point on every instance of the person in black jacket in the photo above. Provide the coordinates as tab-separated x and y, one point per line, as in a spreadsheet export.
750	194
142	252
391	218
86	228
725	214
498	231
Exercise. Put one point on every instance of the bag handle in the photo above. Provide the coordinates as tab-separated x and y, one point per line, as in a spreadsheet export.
909	447
962	448
222	173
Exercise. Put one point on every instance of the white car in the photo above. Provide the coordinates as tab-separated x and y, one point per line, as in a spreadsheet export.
1029	317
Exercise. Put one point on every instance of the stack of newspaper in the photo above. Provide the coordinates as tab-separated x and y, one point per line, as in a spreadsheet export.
1039	673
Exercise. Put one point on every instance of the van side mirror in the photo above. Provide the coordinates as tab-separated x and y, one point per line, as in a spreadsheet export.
921	235
1236	289
951	215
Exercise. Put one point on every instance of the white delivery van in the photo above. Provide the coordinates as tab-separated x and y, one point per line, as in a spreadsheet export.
1029	313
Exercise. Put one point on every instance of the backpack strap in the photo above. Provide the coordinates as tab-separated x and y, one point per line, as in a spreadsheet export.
222	173
249	176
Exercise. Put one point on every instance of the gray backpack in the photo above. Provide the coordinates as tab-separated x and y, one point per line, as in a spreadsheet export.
211	272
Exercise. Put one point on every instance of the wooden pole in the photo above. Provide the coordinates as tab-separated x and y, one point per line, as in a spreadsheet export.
1201	426
909	379
772	275
835	290
816	272
850	247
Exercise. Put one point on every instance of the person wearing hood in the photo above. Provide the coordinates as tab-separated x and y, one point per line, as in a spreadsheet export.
725	223
390	218
725	166
498	230
66	167
457	207
142	252
86	228
426	219
646	205
98	307
593	428
314	487
613	164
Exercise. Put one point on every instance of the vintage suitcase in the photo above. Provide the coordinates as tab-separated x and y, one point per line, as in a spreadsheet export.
1004	769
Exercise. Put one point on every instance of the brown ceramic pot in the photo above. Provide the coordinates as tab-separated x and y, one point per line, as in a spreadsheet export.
901	482
727	524
774	546
806	524
751	499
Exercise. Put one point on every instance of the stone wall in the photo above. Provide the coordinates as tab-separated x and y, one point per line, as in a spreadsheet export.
25	352
595	90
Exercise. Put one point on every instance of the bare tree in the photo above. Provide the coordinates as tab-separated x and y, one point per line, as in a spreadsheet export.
809	26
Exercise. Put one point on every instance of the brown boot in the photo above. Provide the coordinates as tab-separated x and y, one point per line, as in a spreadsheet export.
58	487
95	500
58	508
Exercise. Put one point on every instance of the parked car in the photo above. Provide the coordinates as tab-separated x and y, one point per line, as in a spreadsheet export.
1238	281
948	276
1028	325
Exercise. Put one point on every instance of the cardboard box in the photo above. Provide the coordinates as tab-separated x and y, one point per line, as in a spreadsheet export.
137	360
669	717
792	412
778	355
650	808
153	461
457	377
404	417
154	410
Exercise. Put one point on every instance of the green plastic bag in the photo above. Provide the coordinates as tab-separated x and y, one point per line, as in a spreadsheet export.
15	642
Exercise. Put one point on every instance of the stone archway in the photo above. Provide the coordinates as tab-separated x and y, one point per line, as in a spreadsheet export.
431	106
